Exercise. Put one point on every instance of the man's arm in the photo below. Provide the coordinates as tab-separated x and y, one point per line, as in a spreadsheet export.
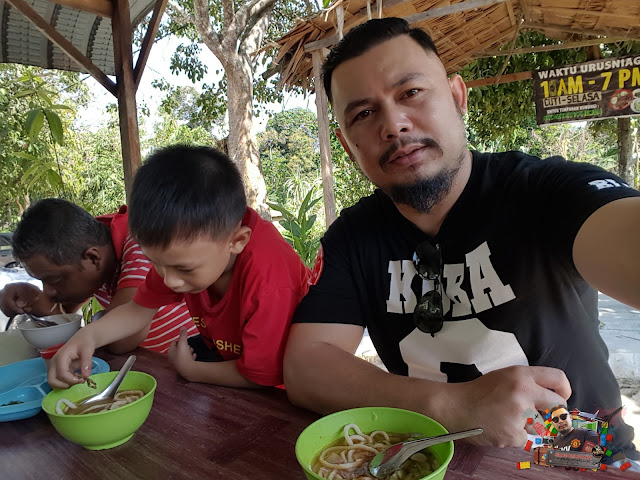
322	374
129	343
119	323
605	251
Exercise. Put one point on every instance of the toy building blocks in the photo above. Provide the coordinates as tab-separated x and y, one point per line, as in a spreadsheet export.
538	441
525	465
530	421
624	466
527	447
603	466
609	437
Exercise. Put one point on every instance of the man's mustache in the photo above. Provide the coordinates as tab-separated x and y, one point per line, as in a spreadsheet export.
401	142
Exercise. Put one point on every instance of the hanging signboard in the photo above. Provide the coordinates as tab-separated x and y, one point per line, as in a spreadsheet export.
587	91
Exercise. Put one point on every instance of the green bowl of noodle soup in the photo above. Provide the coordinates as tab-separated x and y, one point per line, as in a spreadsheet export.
325	439
108	428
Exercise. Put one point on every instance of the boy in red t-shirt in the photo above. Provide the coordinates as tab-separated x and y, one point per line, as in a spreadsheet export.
241	280
78	257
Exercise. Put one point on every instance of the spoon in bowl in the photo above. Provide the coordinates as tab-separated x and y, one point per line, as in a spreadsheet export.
108	394
389	460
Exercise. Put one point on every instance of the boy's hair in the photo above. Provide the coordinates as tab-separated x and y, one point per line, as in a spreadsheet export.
183	192
366	36
58	230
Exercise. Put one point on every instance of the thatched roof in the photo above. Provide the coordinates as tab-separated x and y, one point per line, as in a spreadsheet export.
464	35
89	31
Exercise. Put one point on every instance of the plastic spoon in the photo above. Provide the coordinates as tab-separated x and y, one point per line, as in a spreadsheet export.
389	460
108	394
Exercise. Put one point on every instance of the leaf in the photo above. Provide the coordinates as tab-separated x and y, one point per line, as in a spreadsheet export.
26	156
59	106
33	125
44	96
54	179
55	125
24	93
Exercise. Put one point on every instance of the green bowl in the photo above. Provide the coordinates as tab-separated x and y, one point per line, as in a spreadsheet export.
326	430
102	430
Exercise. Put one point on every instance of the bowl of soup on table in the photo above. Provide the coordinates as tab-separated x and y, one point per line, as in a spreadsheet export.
103	426
341	445
50	330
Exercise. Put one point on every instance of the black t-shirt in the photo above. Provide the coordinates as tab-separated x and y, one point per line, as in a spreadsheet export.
511	292
576	440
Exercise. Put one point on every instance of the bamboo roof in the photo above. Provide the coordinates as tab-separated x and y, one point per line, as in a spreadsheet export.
85	23
462	30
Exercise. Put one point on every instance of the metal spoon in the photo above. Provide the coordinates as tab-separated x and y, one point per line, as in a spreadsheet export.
389	460
41	322
108	394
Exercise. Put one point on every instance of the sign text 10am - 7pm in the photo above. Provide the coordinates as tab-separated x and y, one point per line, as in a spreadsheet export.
604	88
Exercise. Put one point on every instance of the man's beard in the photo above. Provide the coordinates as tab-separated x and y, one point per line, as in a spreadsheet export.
425	193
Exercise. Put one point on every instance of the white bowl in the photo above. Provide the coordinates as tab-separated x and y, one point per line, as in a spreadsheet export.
44	337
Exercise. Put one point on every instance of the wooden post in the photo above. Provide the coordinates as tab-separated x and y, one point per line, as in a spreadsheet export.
128	112
324	136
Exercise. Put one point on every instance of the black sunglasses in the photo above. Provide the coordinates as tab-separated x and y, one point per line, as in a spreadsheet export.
562	416
428	314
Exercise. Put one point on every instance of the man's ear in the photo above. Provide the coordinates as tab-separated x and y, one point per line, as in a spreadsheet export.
459	92
93	256
239	239
343	142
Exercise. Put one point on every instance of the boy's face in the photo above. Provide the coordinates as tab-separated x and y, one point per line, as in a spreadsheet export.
193	266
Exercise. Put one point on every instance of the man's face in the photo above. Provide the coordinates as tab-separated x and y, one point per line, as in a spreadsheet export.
65	283
562	421
190	266
400	116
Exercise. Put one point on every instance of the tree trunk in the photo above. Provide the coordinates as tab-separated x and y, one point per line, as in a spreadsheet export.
626	166
242	143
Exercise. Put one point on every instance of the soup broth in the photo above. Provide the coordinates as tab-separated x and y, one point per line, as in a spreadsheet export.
121	399
348	457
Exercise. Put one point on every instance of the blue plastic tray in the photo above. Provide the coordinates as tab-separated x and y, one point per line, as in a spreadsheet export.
26	382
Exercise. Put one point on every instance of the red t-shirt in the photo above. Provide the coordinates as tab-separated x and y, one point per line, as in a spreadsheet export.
131	272
251	321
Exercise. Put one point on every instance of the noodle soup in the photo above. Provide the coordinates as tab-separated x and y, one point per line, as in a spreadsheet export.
121	399
348	457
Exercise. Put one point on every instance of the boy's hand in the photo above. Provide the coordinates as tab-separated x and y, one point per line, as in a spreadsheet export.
73	356
181	355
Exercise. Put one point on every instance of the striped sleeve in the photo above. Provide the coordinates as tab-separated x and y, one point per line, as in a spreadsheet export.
134	266
168	320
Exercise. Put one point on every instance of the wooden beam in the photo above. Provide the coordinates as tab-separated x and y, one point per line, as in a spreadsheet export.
324	136
512	77
103	8
63	44
436	12
548	48
456	8
575	31
580	11
127	109
149	37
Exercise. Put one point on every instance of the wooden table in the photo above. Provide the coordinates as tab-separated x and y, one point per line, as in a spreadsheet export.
197	431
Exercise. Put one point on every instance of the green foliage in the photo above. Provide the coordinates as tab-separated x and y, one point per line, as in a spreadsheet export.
289	144
299	227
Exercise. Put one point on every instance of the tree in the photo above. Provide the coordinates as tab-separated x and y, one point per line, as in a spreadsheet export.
234	32
288	146
38	106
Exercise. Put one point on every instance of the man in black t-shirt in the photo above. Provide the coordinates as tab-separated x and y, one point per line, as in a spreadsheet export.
463	266
569	438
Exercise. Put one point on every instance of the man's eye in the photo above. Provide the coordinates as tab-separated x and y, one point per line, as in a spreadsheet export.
185	270
411	92
361	115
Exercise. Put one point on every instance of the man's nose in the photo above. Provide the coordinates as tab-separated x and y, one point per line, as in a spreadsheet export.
394	122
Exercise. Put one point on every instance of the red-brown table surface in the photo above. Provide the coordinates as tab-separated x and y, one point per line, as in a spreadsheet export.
197	431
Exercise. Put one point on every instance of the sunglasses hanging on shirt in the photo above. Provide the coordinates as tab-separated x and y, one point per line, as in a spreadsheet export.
429	312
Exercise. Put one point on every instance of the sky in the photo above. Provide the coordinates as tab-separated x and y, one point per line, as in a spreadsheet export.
157	68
